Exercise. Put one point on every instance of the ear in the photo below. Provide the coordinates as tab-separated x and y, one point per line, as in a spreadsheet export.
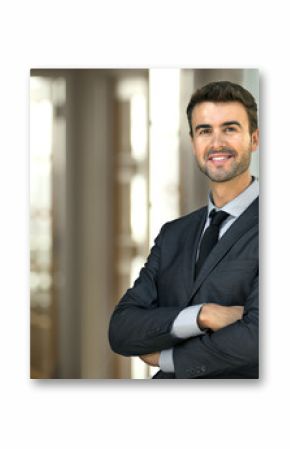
255	139
192	145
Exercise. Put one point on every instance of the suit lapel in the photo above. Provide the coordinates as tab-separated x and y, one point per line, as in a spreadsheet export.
248	219
191	245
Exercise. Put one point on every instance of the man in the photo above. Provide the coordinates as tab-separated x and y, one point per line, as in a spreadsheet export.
193	311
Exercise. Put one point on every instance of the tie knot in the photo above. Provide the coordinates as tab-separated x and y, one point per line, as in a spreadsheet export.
217	217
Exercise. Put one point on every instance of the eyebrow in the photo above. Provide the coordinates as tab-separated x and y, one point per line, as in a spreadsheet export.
206	126
232	122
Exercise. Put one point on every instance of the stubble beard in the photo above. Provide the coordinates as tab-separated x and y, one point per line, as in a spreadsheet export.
220	174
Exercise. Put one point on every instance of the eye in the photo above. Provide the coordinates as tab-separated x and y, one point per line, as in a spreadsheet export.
230	129
204	131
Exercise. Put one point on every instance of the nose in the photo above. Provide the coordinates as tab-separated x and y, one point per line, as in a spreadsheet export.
217	140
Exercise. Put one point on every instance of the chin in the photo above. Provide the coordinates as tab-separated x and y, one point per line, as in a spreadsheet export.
220	177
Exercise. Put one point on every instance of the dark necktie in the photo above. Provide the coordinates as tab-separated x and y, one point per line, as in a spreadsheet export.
210	237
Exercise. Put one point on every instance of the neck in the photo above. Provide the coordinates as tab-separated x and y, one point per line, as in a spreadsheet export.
224	192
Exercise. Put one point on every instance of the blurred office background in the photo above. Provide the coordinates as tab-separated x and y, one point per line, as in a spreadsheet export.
110	162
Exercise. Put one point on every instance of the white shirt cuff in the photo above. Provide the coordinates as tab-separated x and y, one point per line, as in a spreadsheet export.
166	361
185	324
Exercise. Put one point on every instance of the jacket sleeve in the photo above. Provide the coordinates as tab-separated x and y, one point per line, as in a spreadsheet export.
230	350
138	324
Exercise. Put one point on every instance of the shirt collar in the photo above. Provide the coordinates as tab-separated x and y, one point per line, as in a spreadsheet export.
240	203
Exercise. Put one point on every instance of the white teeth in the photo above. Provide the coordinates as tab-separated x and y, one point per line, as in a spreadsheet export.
219	158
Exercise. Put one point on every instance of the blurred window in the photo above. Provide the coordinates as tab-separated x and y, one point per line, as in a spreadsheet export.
45	97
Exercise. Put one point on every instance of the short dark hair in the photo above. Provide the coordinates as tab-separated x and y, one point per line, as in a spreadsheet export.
224	92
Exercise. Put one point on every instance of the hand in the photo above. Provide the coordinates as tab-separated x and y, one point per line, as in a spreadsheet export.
151	359
215	317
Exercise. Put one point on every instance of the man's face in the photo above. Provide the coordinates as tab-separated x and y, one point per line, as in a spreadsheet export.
222	143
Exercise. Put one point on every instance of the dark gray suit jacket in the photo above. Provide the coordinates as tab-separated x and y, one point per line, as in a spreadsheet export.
142	321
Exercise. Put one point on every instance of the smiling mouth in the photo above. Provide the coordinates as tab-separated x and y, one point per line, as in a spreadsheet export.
219	157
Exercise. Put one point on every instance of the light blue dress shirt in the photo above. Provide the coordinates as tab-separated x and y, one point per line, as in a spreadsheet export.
185	324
